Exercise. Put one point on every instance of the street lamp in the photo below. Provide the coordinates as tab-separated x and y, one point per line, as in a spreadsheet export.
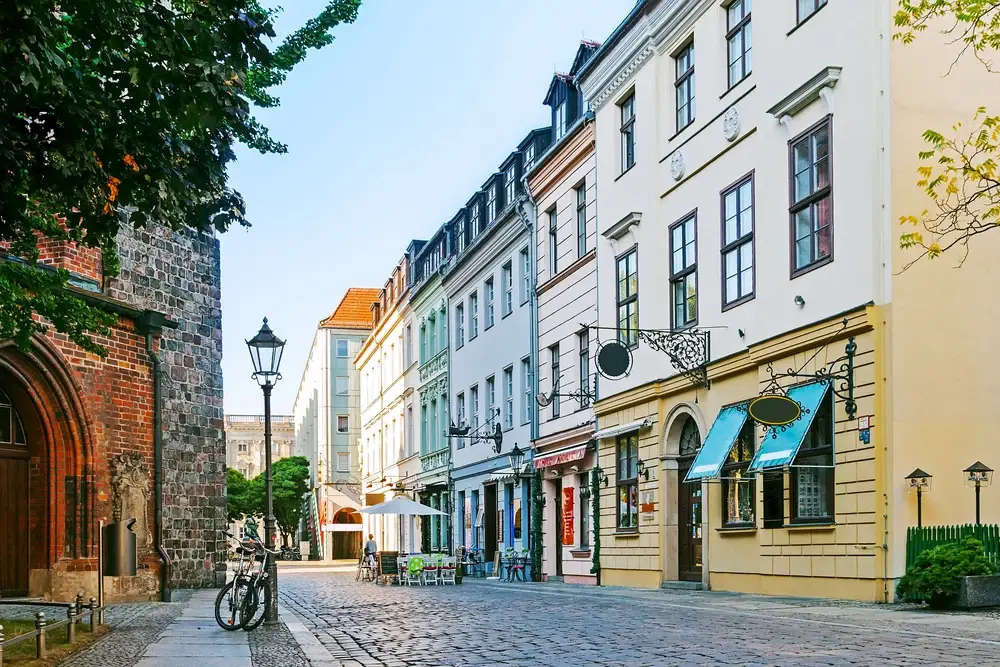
978	475
516	457
265	353
921	481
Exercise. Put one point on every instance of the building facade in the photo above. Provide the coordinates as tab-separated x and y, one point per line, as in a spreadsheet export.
487	282
385	460
79	445
430	324
563	186
746	249
327	418
245	442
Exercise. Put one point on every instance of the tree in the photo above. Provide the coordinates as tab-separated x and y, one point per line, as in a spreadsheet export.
126	112
239	500
959	170
290	482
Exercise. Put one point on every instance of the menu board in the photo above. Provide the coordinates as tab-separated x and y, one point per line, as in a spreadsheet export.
387	563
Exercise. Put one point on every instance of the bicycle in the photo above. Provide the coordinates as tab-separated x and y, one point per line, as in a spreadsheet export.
257	602
230	601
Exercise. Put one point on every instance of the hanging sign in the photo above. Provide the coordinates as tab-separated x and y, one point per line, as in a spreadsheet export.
567	517
774	410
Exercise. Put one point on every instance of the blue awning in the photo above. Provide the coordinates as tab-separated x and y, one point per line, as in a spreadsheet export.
718	443
782	443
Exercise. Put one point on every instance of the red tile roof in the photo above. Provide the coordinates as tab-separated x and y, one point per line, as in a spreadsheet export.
355	309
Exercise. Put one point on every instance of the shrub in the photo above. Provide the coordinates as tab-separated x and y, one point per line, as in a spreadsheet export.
936	575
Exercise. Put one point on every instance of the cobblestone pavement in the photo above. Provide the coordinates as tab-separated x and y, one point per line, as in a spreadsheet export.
524	625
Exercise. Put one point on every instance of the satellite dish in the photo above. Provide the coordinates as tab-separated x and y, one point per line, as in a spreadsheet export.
614	360
543	400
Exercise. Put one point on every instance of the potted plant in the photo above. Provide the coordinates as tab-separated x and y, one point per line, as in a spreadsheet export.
937	575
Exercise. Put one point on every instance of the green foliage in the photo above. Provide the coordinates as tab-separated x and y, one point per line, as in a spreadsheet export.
595	507
959	169
937	573
536	525
290	482
239	502
127	112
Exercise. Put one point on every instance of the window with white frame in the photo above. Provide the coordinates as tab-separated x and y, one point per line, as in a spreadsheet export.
488	293
581	220
474	408
526	390
491	205
627	109
342	385
525	265
738	41
243	447
554	356
459	326
342	348
529	157
583	339
627	296
737	243
473	315
560	120
343	424
343	462
507	274
684	271
460	234
553	242
508	397
474	219
684	84
460	415
806	8
508	186
491	399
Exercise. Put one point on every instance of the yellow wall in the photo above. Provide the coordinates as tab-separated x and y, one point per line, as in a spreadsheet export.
943	393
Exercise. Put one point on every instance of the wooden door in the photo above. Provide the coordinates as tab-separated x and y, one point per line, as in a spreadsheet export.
689	546
490	519
13	526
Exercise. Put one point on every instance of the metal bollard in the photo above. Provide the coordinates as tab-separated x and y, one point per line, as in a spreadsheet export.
71	626
79	603
40	639
93	614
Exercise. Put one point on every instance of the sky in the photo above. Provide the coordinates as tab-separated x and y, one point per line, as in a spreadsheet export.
390	130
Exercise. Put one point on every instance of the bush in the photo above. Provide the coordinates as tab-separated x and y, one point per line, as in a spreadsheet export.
936	576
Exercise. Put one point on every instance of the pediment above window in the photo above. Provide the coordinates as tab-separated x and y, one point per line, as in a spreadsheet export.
807	93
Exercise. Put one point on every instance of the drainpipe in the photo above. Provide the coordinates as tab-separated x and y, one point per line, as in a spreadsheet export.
528	218
150	323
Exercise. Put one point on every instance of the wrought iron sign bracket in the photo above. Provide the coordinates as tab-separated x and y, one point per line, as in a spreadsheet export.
481	434
839	373
688	350
584	396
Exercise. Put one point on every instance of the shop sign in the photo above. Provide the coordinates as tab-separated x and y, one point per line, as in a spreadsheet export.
567	517
646	508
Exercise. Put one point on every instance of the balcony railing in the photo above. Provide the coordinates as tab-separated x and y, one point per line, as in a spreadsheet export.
435	460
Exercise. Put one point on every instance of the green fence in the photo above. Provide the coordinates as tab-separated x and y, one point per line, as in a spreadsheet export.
919	540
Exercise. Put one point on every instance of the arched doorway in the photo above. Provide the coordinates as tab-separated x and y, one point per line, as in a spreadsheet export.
689	506
14	493
346	534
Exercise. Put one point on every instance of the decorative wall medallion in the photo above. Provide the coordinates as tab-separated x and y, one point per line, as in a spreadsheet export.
130	497
731	123
677	165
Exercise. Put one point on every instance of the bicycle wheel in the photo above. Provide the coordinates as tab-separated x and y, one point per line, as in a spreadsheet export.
256	605
228	604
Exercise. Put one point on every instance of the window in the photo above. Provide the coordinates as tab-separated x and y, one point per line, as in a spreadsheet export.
408	342
583	483
807	8
507	273
812	470
553	242
554	355
684	271
581	220
560	120
584	367
243	447
508	397
529	157
517	518
491	205
460	234
342	385
628	132
628	297
525	275
474	409
432	338
410	444
684	62
812	201
473	315
342	424
738	485
628	481
526	388
737	243
738	41
342	346
474	220
508	185
343	462
491	399
774	499
460	415
488	290
459	326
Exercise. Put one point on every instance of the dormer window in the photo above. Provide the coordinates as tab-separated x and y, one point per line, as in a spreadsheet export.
460	233
474	220
529	157
491	206
508	184
560	120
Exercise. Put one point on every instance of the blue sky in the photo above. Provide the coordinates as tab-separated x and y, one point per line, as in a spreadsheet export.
390	130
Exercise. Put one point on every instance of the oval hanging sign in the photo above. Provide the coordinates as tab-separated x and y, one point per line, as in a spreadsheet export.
774	410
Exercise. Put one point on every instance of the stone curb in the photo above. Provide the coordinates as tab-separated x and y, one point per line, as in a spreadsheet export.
315	652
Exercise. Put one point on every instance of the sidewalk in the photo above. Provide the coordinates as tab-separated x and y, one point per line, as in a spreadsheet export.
195	637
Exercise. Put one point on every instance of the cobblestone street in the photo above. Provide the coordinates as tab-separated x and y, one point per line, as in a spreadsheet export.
487	623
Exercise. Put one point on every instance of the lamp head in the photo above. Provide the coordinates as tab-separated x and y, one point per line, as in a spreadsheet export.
919	480
978	474
265	354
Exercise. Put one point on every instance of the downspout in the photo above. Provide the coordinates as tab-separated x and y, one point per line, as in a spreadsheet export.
527	219
150	323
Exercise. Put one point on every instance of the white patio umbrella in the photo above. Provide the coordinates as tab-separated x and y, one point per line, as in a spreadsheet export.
400	505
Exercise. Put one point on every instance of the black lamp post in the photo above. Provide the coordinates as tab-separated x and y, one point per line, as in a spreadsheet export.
921	481
265	352
516	457
978	475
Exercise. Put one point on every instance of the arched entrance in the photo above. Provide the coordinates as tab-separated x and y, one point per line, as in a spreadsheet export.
14	458
689	506
346	537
